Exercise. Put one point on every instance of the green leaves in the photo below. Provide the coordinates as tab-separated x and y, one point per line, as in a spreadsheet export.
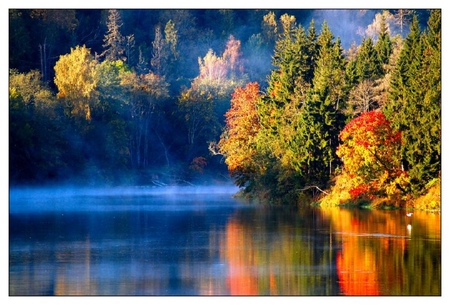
415	105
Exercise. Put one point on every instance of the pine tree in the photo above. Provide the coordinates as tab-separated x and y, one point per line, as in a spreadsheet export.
290	58
114	41
415	102
384	44
322	110
311	50
368	65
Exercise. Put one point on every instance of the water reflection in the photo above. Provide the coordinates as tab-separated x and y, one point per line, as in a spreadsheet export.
387	253
213	245
279	251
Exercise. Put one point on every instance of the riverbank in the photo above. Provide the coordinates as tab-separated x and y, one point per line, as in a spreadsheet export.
339	196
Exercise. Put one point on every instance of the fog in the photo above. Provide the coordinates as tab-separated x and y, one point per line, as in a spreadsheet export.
46	199
348	25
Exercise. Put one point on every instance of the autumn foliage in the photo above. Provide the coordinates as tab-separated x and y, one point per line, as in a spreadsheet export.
371	155
242	125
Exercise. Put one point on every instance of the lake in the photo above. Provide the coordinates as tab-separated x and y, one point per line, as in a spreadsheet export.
188	241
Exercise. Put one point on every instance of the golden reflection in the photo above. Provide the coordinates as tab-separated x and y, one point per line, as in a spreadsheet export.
357	271
275	258
241	260
378	248
319	252
65	285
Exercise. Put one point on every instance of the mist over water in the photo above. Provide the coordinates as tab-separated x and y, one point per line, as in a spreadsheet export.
40	199
200	241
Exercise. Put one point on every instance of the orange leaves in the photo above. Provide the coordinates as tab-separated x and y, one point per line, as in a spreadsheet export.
370	152
242	125
374	123
198	164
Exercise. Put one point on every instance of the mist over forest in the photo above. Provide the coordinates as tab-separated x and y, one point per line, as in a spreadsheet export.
150	96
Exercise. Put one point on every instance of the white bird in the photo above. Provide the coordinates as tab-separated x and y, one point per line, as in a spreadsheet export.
409	214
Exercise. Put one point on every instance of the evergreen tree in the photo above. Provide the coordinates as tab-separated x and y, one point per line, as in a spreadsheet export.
368	65
113	40
416	100
311	51
384	44
351	75
318	129
321	116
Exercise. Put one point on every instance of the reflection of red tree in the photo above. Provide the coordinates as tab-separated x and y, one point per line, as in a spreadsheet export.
357	271
240	279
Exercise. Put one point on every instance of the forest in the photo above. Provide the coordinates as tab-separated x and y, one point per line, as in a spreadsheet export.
336	107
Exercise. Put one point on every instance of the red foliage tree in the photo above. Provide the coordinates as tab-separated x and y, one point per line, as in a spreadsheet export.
371	156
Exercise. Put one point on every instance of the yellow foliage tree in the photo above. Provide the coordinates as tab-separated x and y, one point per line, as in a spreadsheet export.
75	77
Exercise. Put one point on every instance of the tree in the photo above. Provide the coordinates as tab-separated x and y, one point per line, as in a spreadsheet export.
75	77
233	57
368	65
383	45
55	27
381	23
238	141
213	70
196	109
145	94
113	40
370	152
322	116
221	74
165	52
288	81
279	110
20	46
111	116
171	40
416	102
402	18
312	49
269	28
129	49
36	145
361	99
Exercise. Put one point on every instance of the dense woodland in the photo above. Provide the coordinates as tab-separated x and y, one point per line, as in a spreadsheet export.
271	99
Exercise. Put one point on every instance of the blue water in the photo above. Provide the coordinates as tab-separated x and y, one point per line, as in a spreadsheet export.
202	241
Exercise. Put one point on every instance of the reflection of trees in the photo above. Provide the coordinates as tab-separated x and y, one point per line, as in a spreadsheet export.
256	252
277	254
381	256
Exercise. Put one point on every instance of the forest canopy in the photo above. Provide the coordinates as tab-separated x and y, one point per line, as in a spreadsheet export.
289	104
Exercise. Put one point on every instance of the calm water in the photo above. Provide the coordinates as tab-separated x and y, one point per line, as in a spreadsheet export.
188	241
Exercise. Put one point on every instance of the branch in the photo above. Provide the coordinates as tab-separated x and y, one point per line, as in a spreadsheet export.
313	186
213	148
